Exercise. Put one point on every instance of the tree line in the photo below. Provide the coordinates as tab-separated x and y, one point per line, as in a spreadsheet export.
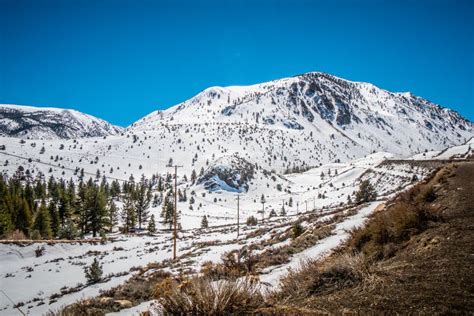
40	209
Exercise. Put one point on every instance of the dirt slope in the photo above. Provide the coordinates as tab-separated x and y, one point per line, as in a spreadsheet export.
432	272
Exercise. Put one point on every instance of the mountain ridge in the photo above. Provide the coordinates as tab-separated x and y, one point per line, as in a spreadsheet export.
27	121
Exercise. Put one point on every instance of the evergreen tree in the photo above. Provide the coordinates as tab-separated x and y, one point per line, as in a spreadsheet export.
64	208
112	215
42	221
142	199
152	224
193	176
167	212
81	208
54	216
6	224
128	214
156	200
366	192
204	222
96	209
23	214
93	272
115	189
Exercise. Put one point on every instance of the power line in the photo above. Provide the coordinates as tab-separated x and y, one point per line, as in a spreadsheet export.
59	166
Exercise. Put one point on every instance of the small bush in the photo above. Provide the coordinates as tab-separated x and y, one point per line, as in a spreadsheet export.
235	264
297	230
427	194
93	272
252	221
35	235
39	251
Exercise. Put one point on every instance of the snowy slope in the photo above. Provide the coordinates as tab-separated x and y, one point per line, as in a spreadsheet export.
297	122
36	282
51	123
310	119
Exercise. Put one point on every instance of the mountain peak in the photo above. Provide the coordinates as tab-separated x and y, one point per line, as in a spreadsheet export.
49	123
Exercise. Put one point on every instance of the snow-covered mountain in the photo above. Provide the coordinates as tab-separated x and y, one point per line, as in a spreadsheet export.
314	118
51	123
281	126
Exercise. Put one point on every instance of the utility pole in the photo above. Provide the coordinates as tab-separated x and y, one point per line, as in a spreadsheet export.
314	203
175	215
306	202
238	215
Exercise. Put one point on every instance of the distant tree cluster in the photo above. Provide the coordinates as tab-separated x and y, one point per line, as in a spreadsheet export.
39	209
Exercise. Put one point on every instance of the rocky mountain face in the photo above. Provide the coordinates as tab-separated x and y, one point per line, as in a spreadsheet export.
51	123
310	119
229	173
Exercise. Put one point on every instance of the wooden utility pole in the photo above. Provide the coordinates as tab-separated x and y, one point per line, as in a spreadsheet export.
175	215
238	215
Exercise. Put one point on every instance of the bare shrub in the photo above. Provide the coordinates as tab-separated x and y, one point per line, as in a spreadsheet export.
202	296
324	277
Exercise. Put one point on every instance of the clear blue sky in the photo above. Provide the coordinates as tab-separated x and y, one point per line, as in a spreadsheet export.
120	60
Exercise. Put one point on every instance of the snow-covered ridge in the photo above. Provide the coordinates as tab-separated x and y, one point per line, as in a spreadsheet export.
360	116
51	123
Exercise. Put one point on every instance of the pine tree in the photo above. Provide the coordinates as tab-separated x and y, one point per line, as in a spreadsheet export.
96	210
6	224
93	272
290	202
112	215
115	189
152	224
142	201
23	216
42	221
193	176
204	222
167	212
366	192
81	208
156	200
54	216
128	214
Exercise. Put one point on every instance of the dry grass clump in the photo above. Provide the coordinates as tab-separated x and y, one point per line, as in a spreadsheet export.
316	277
203	296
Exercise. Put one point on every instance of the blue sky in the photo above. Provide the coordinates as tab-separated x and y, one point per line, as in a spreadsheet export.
120	60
